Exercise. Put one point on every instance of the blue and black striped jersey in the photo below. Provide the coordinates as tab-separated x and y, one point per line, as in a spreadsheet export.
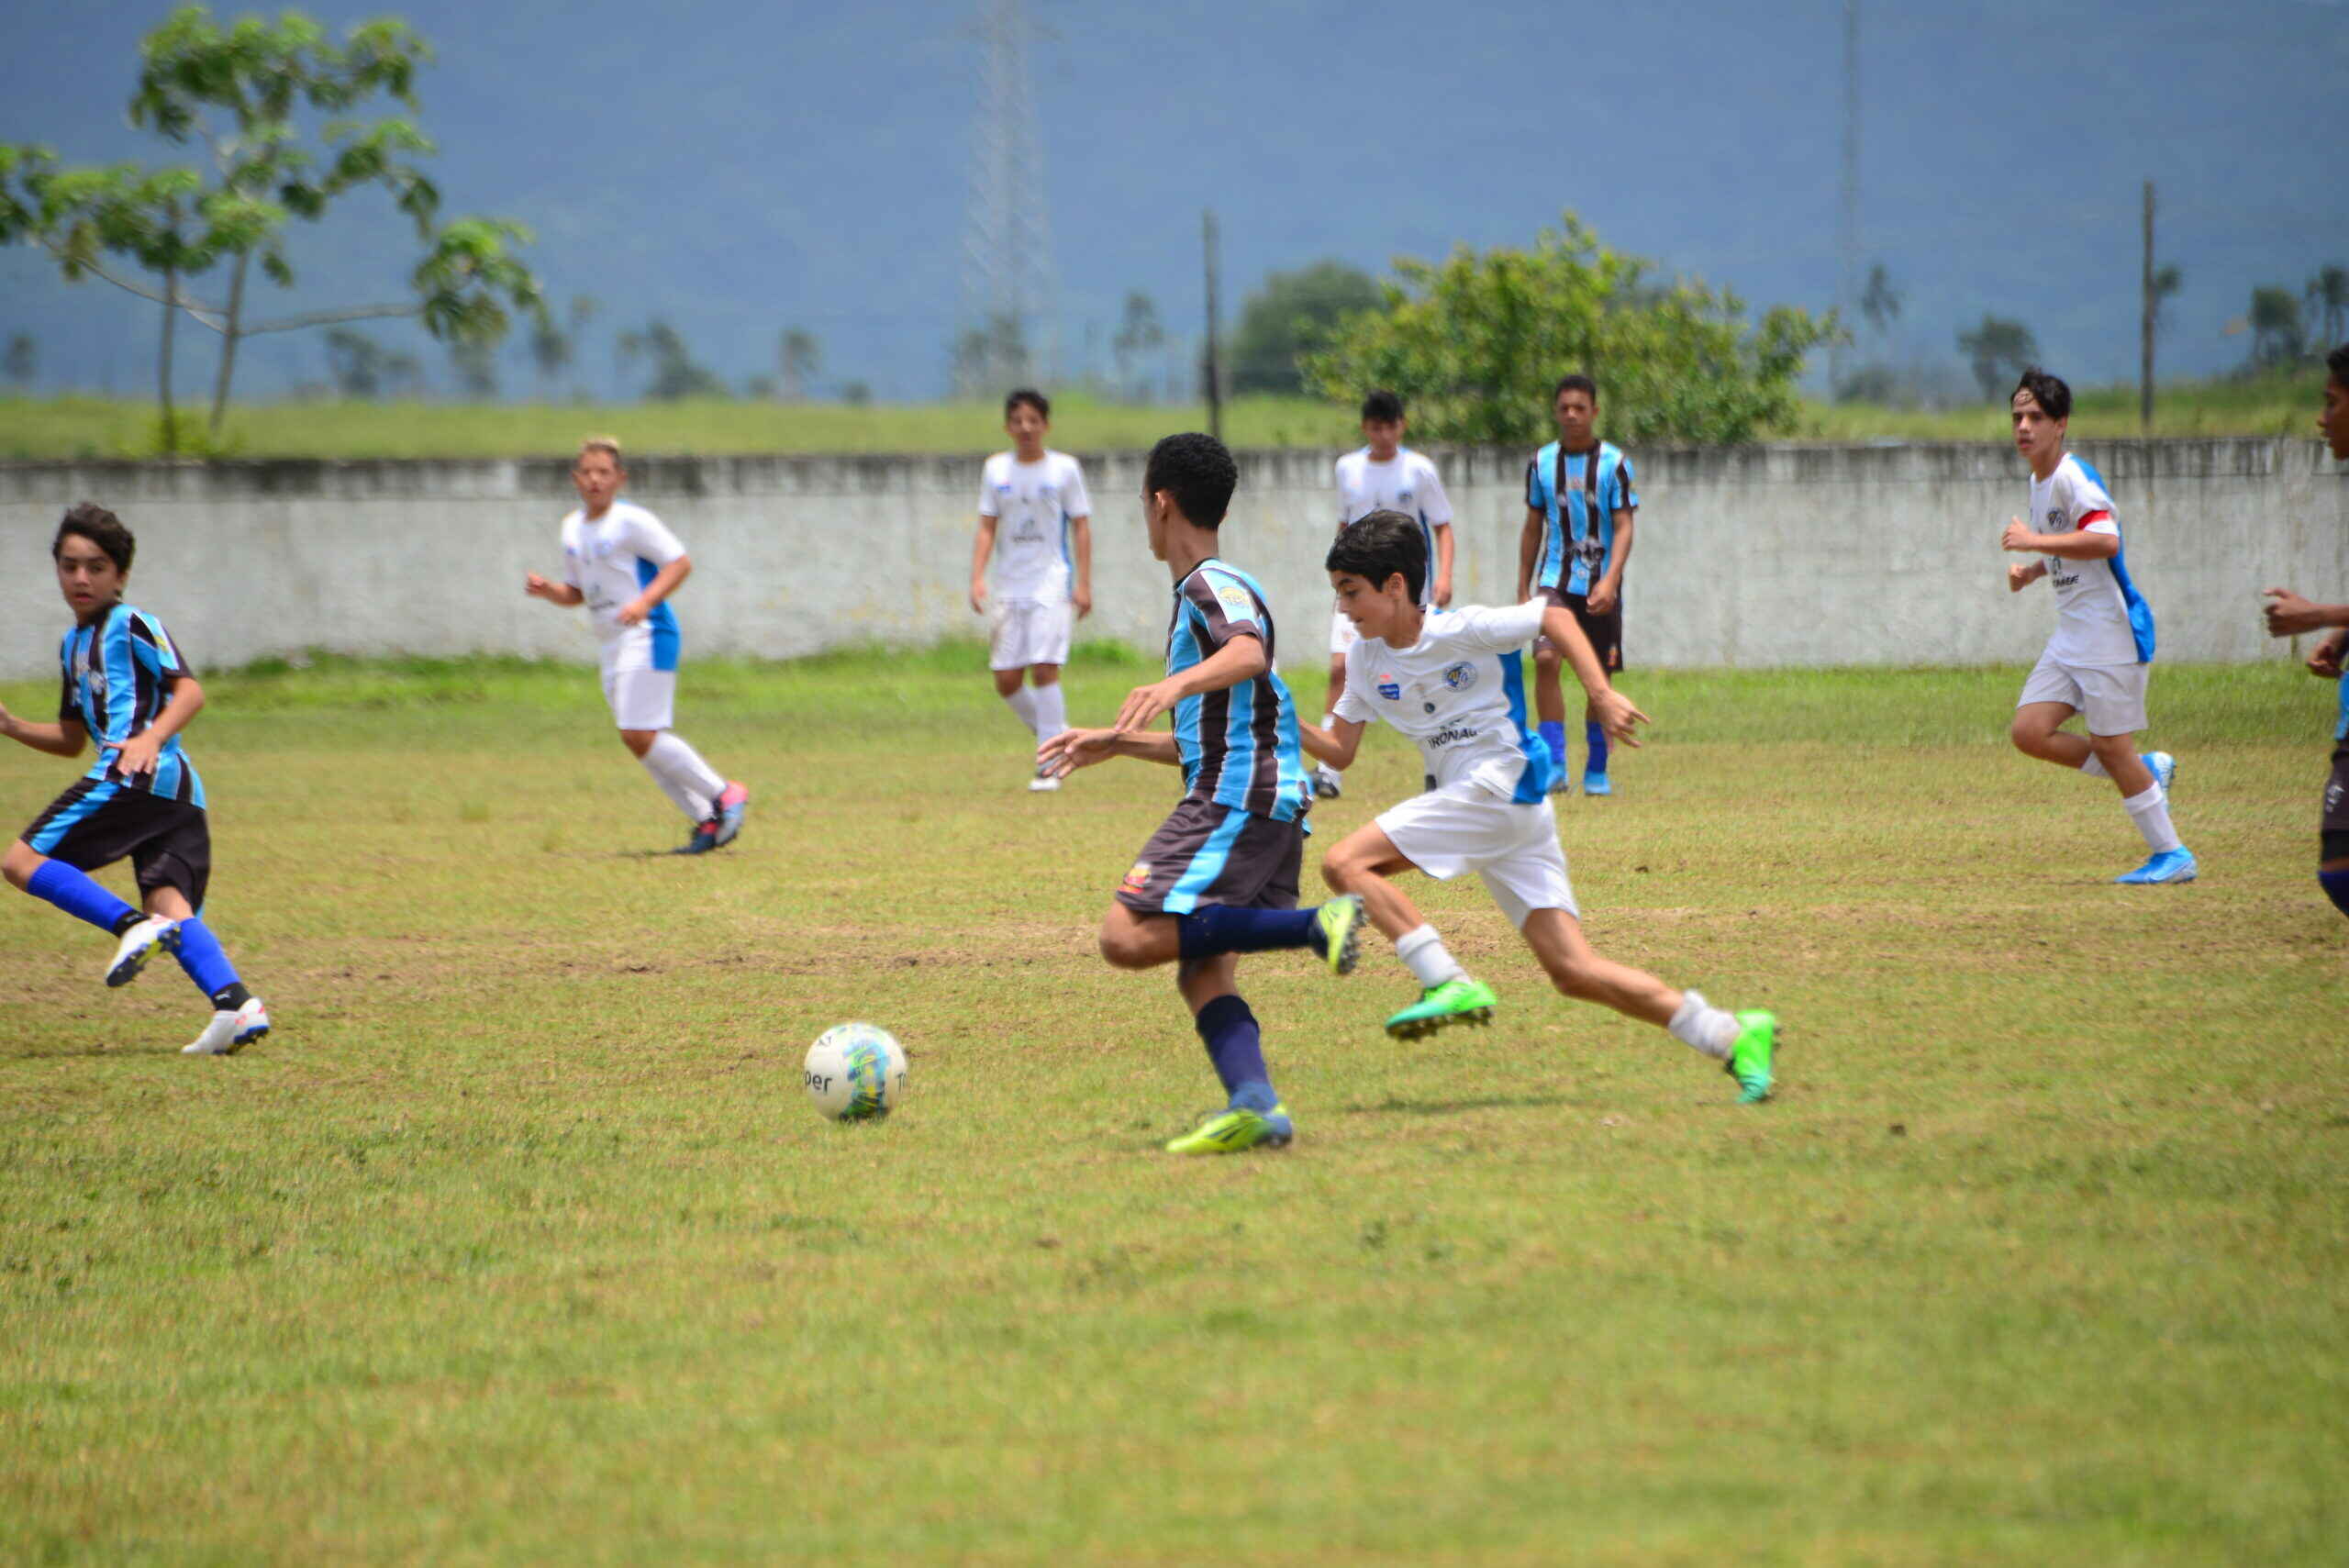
117	673
1577	494
1238	746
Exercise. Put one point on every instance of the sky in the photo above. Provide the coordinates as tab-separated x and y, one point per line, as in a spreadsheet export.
739	169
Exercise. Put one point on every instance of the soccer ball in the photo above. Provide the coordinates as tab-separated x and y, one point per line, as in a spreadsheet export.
856	1073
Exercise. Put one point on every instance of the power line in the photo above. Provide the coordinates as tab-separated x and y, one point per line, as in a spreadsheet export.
1010	292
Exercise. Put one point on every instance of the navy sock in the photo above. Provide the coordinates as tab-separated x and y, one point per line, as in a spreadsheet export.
75	892
1594	737
1236	1047
200	956
1555	737
1213	930
2337	887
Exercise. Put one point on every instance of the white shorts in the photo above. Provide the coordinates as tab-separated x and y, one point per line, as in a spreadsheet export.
1342	634
2112	696
641	699
1029	631
1465	827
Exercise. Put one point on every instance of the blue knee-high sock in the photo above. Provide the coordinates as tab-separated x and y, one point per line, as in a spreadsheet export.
2337	887
1213	930
75	892
1594	740
1236	1047
205	964
1555	737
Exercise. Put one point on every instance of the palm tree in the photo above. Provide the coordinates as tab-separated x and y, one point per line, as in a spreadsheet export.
2328	299
800	356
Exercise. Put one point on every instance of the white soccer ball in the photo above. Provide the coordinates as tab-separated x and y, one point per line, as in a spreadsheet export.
856	1073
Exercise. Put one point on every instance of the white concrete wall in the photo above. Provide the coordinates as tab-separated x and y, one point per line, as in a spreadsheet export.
1755	556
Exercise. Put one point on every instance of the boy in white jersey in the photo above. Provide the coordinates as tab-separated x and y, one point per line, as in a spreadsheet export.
1037	521
621	563
1454	681
1383	476
2097	662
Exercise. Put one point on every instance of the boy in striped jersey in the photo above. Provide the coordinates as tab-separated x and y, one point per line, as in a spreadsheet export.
1220	877
1580	503
127	686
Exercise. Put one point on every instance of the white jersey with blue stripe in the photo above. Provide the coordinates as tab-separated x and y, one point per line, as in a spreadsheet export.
1407	483
1578	495
1035	504
117	672
611	560
2100	618
1459	692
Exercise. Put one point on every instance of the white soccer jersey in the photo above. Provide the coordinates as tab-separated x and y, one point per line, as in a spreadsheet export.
2100	618
1459	692
1034	503
1406	482
611	559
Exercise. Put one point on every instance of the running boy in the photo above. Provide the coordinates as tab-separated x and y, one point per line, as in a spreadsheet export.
1384	475
1220	877
2098	661
1453	682
1036	519
1580	503
126	684
622	563
2289	615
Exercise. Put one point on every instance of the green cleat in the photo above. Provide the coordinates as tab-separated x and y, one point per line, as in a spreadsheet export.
1237	1130
1458	1000
1749	1058
1340	922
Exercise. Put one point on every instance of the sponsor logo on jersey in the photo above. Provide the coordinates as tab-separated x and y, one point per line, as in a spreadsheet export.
1452	735
1391	691
1136	879
1460	676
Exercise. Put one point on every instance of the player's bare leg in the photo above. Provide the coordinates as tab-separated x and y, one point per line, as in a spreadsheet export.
1742	1042
2142	779
1363	863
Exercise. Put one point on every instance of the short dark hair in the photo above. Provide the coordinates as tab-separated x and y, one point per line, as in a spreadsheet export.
1574	382
101	528
1383	407
1031	397
2054	398
1197	471
1377	545
2336	363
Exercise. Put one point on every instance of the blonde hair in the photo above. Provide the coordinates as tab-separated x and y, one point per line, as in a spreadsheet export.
601	444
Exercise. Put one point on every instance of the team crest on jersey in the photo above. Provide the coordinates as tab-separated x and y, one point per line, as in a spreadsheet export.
1136	879
2058	519
1237	605
1460	676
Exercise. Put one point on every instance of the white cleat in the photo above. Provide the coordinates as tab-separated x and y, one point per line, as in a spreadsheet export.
1042	783
229	1032
142	941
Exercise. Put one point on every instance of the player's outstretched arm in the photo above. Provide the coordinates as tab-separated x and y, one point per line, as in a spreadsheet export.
64	738
2289	615
982	547
2329	652
138	755
1241	659
664	583
1063	754
1080	538
553	593
2080	546
1335	745
1616	713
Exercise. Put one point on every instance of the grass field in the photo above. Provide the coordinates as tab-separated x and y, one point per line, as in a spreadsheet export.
87	427
518	1243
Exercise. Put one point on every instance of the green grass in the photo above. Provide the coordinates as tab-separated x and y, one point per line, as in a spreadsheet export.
518	1243
99	428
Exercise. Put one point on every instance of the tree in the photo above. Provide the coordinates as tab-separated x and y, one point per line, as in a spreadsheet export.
2278	337
988	360
1140	335
676	373
856	393
553	344
356	363
1881	301
22	359
475	363
1475	342
2328	299
1998	352
800	356
1291	313
245	95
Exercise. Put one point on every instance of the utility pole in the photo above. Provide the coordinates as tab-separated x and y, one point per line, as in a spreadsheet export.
1214	368
2145	329
1848	240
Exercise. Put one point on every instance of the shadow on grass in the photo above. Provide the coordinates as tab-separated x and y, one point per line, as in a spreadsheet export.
1391	1106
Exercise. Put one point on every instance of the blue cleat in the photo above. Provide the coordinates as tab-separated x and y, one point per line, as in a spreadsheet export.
703	839
2170	865
1595	784
2163	766
733	804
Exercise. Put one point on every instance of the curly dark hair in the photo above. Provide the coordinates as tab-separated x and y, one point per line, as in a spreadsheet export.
1197	471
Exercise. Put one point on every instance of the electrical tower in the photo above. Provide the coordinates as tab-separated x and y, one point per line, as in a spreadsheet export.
1010	294
1847	282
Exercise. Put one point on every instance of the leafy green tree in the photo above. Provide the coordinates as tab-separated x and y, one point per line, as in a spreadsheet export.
1880	302
1140	335
355	362
676	372
22	359
2278	336
245	95
989	359
475	363
1475	343
1998	352
1291	313
553	344
2328	299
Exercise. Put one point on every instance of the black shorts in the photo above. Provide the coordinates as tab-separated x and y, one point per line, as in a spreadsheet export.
1206	853
2332	821
1605	632
98	822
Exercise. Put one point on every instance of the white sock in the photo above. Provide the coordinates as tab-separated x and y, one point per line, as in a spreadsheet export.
1023	703
693	784
1328	720
1700	1024
1423	953
2150	811
2094	767
1051	710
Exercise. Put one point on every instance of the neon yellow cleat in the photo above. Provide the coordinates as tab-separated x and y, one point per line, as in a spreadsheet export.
1339	923
1458	1000
1235	1130
1749	1058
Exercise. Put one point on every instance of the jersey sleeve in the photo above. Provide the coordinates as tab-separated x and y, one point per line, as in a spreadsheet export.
571	567
1350	706
1434	504
1489	629
2091	506
651	539
153	649
1627	493
1224	608
1536	498
1075	501
988	505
